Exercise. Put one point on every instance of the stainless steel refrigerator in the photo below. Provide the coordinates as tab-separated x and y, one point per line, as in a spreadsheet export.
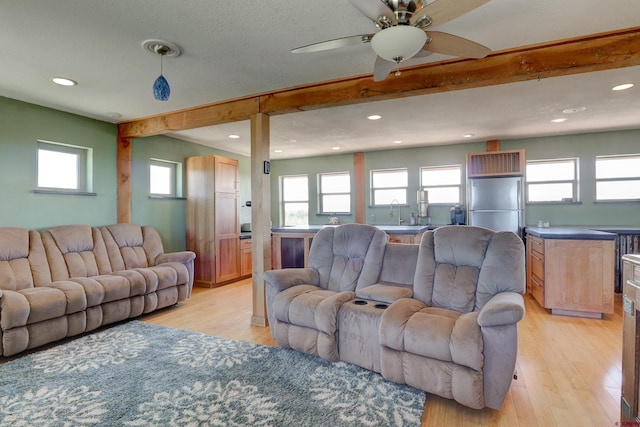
496	203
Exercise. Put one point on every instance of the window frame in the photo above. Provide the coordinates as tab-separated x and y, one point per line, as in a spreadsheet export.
175	178
575	182
84	172
616	179
321	193
425	187
283	202
373	189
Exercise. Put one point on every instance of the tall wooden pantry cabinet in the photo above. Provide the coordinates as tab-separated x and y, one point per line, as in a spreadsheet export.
213	219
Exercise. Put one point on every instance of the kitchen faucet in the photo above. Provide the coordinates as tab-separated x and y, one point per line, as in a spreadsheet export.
397	209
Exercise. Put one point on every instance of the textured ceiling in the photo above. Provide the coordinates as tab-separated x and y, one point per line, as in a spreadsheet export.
233	49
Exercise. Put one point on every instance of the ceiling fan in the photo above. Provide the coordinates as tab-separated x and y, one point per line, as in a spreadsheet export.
404	32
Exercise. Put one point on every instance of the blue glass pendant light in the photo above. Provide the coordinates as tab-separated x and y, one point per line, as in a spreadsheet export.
161	89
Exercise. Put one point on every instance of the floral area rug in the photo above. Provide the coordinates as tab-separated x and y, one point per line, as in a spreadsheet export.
138	374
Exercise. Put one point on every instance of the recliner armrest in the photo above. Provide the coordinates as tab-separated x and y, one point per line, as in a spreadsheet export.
505	308
288	277
183	257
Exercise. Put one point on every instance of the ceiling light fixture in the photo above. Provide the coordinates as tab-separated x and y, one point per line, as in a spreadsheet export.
467	135
574	110
62	81
335	148
397	142
623	86
233	136
398	43
278	150
374	117
161	89
559	120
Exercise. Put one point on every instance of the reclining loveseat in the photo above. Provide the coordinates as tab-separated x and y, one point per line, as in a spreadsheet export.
71	279
440	316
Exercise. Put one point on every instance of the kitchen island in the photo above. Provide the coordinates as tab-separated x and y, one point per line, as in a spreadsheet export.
570	271
290	245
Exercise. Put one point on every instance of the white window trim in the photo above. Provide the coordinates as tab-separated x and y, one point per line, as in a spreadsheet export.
284	202
426	187
373	189
176	179
575	182
85	168
321	194
629	178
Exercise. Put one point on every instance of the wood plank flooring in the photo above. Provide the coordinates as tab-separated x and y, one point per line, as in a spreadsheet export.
569	368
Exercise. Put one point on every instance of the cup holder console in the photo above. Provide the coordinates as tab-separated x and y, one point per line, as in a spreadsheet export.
380	306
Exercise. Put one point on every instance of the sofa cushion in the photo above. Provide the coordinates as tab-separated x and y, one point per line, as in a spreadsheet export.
384	292
15	271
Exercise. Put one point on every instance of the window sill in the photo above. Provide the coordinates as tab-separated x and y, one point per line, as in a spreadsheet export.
617	201
166	197
552	203
65	192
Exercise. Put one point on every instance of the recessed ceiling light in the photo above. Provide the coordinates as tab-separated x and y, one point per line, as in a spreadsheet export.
115	115
623	86
64	81
335	148
574	110
278	150
559	120
233	136
397	142
374	117
467	135
291	141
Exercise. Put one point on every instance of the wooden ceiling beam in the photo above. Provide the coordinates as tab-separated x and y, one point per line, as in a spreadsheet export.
596	52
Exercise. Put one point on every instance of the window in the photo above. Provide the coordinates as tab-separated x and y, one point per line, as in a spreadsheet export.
389	185
335	193
165	178
443	183
618	177
295	200
552	181
63	167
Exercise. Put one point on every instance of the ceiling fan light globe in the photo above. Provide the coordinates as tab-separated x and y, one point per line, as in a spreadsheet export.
401	41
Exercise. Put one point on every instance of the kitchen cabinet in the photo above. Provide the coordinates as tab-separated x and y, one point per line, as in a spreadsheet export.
571	273
213	219
495	163
629	402
245	258
290	250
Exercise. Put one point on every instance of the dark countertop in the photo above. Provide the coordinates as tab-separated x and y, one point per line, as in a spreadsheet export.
568	233
245	235
389	229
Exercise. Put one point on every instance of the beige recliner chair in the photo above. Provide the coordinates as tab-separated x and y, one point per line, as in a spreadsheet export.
304	302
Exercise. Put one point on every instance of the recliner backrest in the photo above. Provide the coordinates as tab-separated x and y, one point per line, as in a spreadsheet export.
23	263
462	267
348	257
131	246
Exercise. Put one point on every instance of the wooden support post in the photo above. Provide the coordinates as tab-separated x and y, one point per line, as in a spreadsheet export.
493	145
260	214
124	154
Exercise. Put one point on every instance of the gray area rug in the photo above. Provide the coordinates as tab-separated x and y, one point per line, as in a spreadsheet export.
137	374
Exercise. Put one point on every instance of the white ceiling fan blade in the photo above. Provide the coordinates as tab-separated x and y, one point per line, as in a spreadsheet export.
334	44
382	68
441	11
449	44
373	9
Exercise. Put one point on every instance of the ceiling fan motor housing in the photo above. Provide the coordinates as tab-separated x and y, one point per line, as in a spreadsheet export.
404	9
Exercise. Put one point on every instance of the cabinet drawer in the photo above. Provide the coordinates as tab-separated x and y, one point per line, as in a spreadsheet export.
536	244
245	244
537	264
537	289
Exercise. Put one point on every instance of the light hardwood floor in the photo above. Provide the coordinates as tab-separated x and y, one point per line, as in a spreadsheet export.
569	368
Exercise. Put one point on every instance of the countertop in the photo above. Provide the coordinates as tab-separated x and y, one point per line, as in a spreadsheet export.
389	229
569	233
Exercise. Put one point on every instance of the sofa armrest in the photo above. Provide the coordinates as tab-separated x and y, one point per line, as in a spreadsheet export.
288	277
504	308
182	257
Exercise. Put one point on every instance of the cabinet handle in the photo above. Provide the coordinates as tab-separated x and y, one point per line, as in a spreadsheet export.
535	282
539	259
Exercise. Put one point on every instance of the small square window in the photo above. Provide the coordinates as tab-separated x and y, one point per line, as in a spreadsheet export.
63	167
618	178
335	193
552	181
443	183
389	186
164	178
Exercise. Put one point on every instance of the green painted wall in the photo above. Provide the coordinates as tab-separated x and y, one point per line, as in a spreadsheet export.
22	124
169	215
584	146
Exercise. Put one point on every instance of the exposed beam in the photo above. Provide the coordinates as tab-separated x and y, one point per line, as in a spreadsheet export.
596	52
124	166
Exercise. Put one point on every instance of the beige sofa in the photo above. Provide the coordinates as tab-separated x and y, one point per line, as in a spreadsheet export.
66	280
440	316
